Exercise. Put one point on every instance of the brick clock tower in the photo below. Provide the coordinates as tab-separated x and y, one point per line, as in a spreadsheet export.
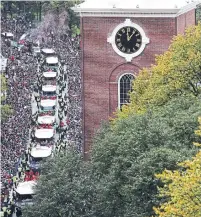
118	38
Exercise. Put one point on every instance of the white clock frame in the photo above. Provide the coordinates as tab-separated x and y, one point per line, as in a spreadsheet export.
145	40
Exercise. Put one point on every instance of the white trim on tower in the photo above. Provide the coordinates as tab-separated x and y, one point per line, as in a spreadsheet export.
145	40
133	12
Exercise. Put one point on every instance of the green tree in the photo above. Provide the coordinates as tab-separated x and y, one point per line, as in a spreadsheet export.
198	13
177	72
5	108
64	188
14	8
58	6
182	188
125	157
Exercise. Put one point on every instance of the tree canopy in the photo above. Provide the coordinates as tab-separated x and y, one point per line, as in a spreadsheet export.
198	13
125	157
64	188
182	188
58	6
5	108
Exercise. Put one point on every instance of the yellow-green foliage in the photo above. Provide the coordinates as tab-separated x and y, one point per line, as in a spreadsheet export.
5	109
3	87
182	188
177	71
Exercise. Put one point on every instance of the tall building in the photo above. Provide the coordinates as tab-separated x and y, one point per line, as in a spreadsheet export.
118	38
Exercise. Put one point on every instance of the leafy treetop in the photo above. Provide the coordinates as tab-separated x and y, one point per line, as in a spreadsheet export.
182	188
5	108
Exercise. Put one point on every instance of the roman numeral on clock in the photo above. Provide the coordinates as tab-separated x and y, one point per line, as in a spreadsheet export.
137	45
134	31
123	48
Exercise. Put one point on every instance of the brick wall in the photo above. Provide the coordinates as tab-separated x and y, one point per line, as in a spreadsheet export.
185	20
102	66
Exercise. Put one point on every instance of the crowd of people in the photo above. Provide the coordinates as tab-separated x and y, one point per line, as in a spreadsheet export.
21	75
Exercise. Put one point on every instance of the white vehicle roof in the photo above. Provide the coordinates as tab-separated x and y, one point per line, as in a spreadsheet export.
2	186
46	119
49	88
3	63
48	103
48	51
7	34
49	74
52	60
23	36
44	133
41	151
24	188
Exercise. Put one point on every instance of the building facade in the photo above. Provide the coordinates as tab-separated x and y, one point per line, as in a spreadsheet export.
117	41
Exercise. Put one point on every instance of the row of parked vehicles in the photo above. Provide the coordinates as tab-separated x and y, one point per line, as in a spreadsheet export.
45	132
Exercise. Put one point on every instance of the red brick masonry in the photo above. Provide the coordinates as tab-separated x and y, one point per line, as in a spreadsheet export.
101	66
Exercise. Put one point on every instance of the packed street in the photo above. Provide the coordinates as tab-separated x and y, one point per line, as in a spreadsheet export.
44	91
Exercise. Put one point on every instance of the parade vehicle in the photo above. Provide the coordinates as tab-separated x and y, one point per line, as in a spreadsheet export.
49	90
47	113
52	62
50	77
37	154
44	134
25	193
9	39
46	119
7	35
3	63
47	105
48	52
23	37
19	45
22	40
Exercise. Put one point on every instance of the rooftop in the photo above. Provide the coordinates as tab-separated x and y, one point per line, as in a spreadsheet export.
136	6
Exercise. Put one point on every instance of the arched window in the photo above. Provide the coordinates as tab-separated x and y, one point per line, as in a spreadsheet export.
124	86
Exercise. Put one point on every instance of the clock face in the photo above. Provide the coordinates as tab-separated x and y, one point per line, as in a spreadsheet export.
128	40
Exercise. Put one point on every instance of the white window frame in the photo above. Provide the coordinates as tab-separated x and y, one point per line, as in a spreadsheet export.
127	73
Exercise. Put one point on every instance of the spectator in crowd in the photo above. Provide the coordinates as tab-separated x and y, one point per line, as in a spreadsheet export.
21	75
